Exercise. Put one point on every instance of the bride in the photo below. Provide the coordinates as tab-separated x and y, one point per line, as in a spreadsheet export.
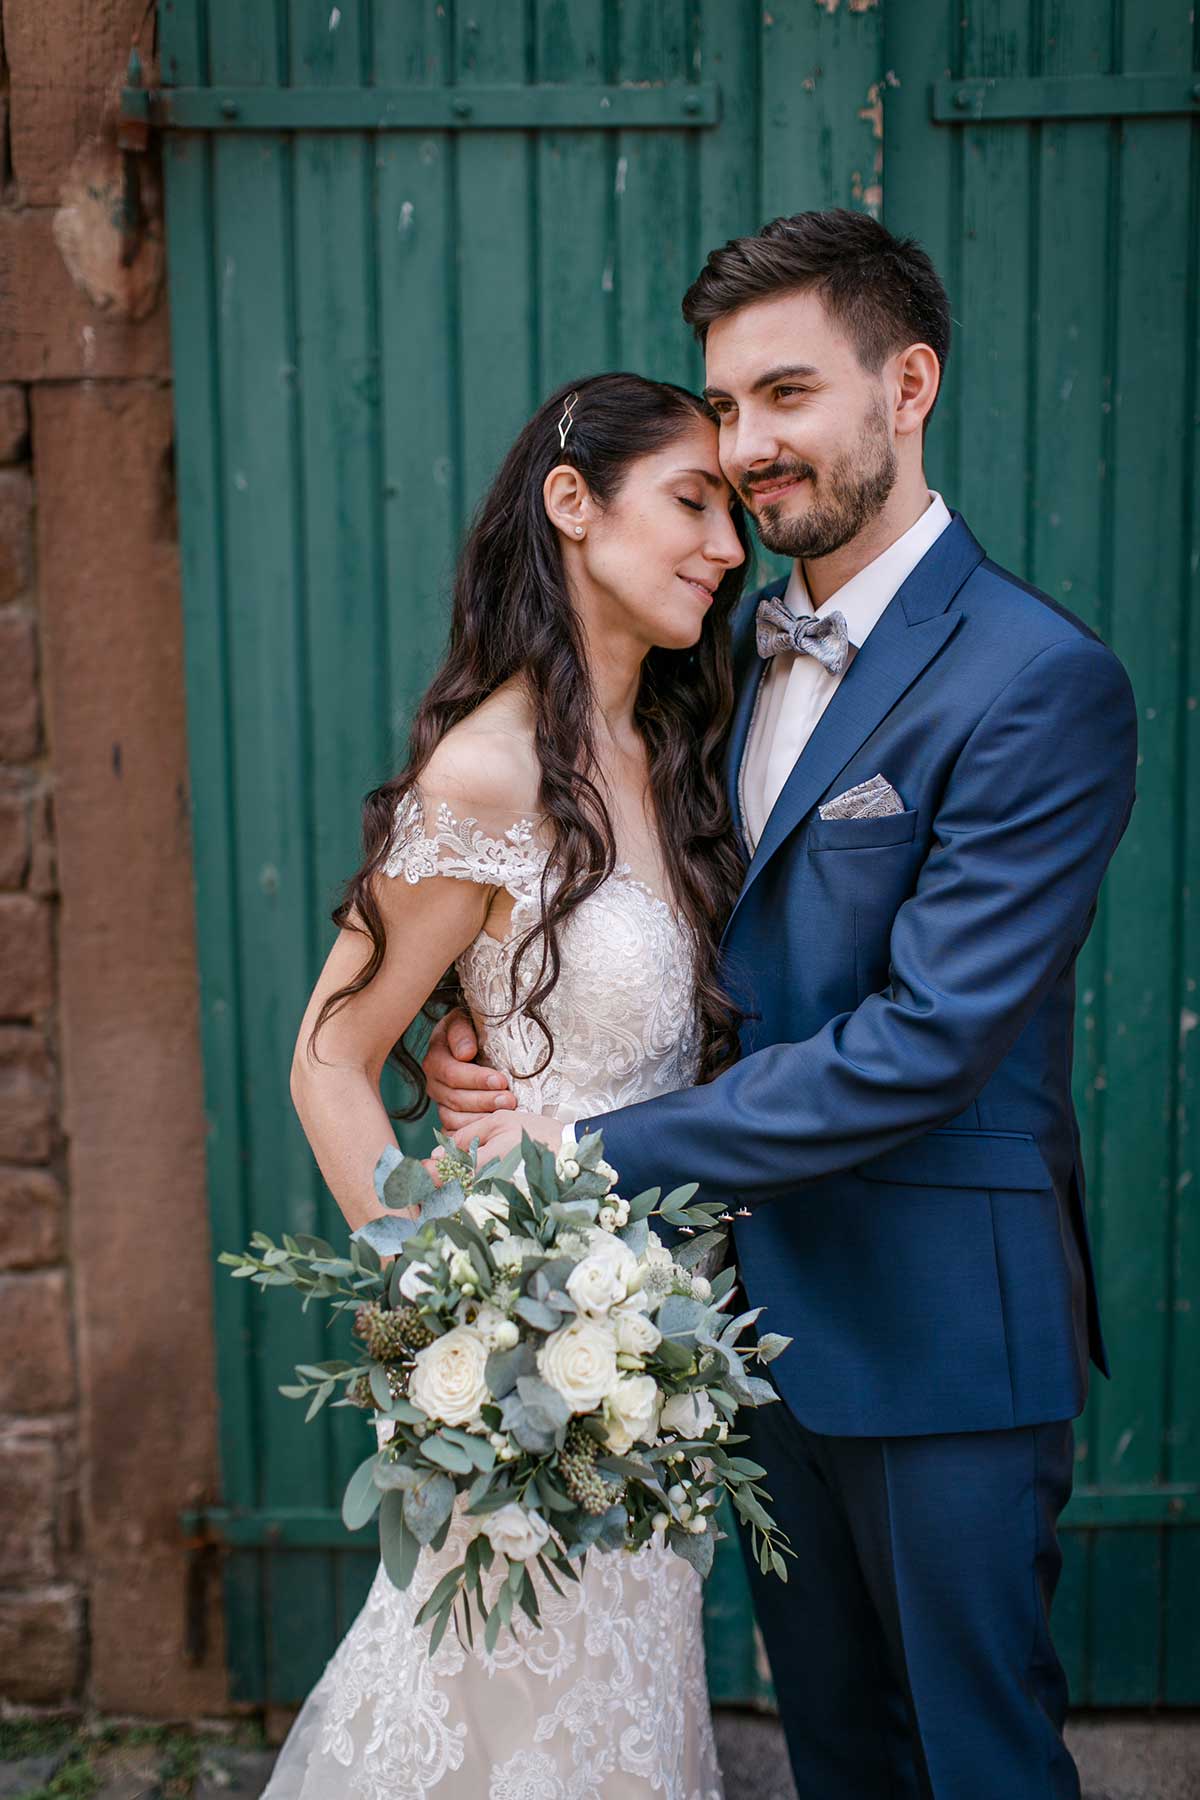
559	852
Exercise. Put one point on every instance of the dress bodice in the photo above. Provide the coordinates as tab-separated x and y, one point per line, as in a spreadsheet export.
622	1013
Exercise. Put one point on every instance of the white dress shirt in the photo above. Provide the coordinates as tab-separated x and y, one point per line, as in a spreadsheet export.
795	690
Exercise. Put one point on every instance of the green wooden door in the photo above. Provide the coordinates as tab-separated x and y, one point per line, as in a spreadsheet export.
392	228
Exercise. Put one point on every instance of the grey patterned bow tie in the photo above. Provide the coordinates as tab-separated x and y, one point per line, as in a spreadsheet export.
778	628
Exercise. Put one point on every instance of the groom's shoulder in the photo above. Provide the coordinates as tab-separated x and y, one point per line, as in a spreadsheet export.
1004	604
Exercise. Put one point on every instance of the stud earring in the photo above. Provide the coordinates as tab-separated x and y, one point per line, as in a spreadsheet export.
579	531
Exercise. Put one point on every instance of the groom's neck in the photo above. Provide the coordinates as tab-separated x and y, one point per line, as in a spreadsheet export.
909	498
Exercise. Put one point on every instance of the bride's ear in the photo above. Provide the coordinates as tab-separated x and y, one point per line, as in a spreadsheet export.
568	504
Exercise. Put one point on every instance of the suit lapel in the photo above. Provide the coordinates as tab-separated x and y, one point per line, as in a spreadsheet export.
910	633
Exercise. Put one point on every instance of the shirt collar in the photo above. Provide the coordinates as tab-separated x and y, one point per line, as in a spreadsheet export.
866	596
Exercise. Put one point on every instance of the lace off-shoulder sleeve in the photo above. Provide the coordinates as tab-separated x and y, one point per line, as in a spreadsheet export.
429	839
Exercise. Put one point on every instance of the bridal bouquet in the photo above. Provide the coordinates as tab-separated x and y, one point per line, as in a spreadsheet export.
537	1350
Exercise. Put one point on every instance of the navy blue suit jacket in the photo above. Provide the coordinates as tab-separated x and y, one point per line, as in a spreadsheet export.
900	1122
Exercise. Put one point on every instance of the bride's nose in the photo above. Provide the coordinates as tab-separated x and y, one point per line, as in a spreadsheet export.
724	546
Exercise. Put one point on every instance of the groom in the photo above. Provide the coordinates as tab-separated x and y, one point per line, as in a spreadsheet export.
931	766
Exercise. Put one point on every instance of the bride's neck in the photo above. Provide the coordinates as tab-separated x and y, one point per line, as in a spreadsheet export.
615	669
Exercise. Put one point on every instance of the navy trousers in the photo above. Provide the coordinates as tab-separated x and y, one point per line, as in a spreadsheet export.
910	1646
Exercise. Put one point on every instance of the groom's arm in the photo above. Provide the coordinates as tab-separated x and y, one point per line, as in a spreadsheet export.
1037	803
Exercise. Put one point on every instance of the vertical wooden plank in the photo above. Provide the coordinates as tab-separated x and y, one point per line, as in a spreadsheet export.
1070	489
996	356
261	414
1152	215
416	304
921	188
496	235
655	201
344	697
1181	1637
574	172
820	82
193	302
1124	1617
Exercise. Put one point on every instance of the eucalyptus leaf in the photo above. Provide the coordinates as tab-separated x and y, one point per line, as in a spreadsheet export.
391	1474
442	1202
398	1548
679	1315
689	1254
696	1548
643	1204
427	1504
381	1393
736	1326
387	1234
440	1450
390	1158
361	1498
771	1345
637	1236
538	1395
409	1183
504	1367
537	1313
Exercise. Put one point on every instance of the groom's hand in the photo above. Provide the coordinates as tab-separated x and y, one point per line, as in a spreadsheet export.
460	1087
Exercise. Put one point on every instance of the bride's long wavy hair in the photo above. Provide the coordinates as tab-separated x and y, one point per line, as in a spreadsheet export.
512	614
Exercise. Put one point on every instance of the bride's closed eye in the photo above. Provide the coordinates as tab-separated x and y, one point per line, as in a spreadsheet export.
695	505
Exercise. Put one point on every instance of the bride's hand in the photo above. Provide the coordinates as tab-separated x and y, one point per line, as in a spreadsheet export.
498	1133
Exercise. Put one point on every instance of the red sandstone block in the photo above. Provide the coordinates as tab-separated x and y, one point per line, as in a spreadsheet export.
29	1505
14	423
26	1096
37	1373
26	956
14	831
41	1645
20	711
31	1219
16	534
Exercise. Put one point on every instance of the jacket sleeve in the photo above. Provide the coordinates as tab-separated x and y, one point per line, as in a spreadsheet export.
1037	802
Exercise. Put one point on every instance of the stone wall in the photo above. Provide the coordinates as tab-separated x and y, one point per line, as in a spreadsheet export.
107	1408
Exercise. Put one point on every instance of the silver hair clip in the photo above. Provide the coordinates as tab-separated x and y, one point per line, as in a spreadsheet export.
567	420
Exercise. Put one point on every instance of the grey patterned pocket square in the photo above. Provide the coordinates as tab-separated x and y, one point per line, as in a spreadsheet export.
873	799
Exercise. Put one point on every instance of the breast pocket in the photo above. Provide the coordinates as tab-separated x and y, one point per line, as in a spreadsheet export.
863	834
866	869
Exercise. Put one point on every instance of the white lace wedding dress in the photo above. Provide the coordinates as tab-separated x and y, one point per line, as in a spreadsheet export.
609	1700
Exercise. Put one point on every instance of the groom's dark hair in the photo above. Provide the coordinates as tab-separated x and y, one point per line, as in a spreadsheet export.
883	289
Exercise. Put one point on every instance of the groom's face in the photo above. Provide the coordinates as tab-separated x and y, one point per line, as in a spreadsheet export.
805	432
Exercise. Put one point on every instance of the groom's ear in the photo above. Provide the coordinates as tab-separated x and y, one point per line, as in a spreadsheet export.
568	503
916	377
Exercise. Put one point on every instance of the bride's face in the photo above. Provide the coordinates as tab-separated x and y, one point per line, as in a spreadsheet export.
652	559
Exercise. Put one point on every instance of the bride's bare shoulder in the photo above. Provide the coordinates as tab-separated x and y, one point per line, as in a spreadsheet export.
486	766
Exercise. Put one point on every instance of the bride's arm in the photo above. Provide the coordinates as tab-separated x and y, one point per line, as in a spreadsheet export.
335	1085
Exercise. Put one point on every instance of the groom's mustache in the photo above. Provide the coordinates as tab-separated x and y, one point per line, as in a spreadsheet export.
778	471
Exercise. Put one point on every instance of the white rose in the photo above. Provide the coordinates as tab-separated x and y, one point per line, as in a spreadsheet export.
412	1283
630	1411
514	1532
596	1285
447	1380
483	1209
688	1414
613	1249
580	1360
636	1334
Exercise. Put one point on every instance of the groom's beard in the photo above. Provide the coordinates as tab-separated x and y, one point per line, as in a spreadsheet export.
844	500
